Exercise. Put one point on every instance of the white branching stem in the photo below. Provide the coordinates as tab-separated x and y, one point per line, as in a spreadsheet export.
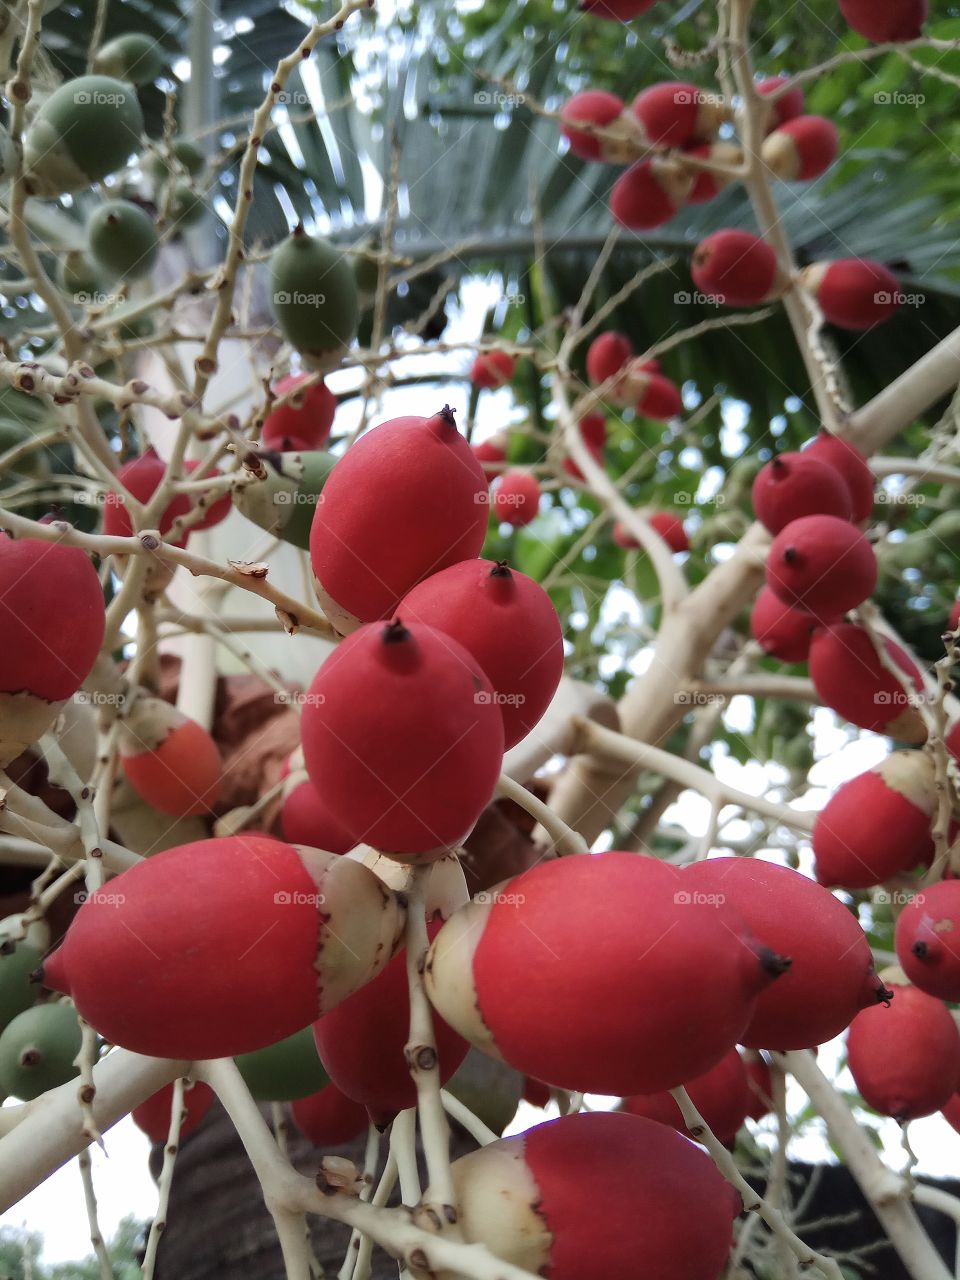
101	1252
565	840
885	1191
170	1150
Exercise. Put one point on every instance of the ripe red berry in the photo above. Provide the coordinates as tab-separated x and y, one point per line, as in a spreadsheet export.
516	498
721	1095
170	761
831	973
787	107
153	1116
951	1112
510	626
674	114
407	499
403	735
851	679
141	477
853	293
782	632
823	564
593	428
535	1092
671	529
592	106
615	10
304	422
51	629
760	1084
306	819
735	267
928	940
490	452
852	465
607	355
905	1060
801	149
953	622
155	970
883	20
647	1185
329	1118
877	825
361	1043
792	485
649	193
494	958
655	396
492	369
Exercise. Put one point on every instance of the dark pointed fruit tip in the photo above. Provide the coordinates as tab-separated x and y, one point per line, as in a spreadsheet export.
884	996
774	964
778	464
37	976
920	949
298	230
790	554
395	632
501	570
448	415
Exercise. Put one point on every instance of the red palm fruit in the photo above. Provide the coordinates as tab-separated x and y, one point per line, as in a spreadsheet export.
850	678
823	564
792	485
615	10
306	819
593	428
787	107
649	193
329	1118
877	825
595	451
218	510
492	369
523	1198
223	946
952	740
516	498
535	1092
883	20
655	396
671	530
304	422
170	761
623	537
953	622
759	1083
407	499
153	1116
494	959
402	732
510	626
928	940
51	629
607	355
905	1060
592	106
737	268
951	1112
492	451
831	975
708	185
361	1043
853	293
801	149
782	632
852	465
721	1095
141	477
674	114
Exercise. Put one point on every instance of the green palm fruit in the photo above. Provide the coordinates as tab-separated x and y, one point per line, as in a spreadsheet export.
78	275
122	239
132	57
186	208
283	502
314	296
285	1071
490	1089
37	1050
188	155
17	993
87	128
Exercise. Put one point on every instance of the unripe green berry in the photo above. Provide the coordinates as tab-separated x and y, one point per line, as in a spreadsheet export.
132	57
122	239
86	129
